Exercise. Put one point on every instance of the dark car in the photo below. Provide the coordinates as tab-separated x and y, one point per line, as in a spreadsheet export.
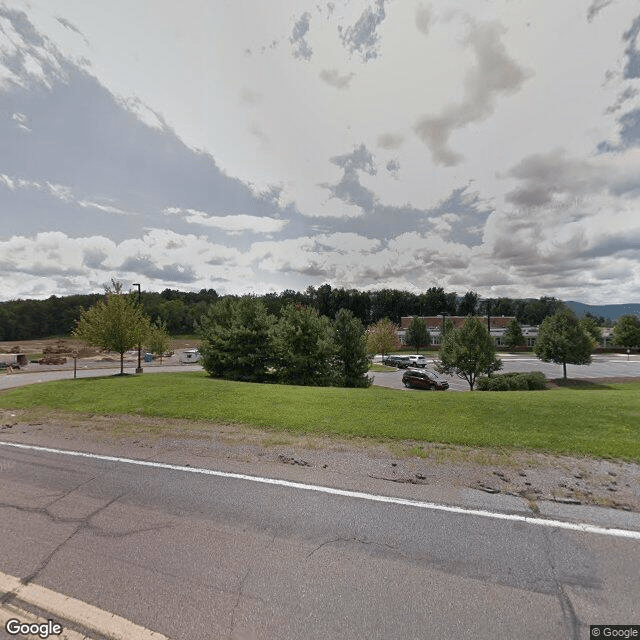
402	362
424	379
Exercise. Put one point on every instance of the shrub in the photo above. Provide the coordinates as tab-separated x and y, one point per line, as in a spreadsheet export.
536	380
532	381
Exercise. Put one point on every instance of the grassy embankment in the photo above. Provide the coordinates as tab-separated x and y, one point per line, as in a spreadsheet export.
602	421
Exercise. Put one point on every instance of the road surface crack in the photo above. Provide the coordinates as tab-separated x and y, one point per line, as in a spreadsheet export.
81	524
239	593
354	539
569	616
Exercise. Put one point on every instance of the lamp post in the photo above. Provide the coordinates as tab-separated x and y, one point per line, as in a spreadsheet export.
139	369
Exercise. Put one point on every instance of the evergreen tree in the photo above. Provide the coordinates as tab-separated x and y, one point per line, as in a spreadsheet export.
304	347
513	335
417	334
468	304
351	350
236	340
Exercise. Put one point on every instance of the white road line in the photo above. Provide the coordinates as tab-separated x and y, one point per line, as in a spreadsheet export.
61	606
557	524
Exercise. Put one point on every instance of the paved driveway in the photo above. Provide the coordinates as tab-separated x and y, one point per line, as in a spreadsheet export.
610	365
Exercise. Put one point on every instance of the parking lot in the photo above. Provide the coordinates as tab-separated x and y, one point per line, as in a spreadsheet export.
609	365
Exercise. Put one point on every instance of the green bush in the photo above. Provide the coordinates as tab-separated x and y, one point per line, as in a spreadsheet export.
532	381
536	381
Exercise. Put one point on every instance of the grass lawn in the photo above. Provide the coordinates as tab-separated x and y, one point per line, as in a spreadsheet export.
380	367
602	422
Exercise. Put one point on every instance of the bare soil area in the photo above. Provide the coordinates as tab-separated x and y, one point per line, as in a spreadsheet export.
335	461
88	357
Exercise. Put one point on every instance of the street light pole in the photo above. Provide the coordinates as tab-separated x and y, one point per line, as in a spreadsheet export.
139	369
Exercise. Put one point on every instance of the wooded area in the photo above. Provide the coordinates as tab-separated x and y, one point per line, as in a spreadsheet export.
57	316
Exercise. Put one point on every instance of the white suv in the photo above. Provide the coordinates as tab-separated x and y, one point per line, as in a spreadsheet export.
418	361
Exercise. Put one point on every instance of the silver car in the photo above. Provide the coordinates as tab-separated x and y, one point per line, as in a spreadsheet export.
418	361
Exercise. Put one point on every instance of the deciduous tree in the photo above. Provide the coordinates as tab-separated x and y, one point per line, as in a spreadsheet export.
626	331
590	325
159	340
117	323
382	337
469	352
563	340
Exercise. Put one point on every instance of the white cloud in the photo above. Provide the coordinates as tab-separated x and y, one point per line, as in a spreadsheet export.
231	223
519	163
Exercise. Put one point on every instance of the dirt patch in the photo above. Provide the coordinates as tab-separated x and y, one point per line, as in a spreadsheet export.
530	475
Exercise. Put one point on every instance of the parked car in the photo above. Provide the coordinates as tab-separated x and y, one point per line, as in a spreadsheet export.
402	362
418	361
424	379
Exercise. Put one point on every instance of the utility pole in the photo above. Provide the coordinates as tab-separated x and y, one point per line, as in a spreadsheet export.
139	369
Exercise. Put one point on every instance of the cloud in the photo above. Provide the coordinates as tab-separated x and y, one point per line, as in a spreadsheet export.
94	157
390	140
255	129
26	58
362	37
393	166
349	189
559	183
106	208
632	68
298	39
333	78
627	94
68	25
494	74
231	223
424	19
144	266
596	7
249	97
630	129
22	121
544	176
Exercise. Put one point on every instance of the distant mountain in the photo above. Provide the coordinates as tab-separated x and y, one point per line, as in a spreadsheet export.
611	311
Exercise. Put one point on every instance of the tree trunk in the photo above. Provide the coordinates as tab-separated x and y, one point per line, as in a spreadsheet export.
122	364
564	370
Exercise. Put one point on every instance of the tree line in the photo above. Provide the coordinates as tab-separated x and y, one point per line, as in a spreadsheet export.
180	311
241	340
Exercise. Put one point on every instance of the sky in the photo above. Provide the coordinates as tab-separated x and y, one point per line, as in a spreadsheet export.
252	146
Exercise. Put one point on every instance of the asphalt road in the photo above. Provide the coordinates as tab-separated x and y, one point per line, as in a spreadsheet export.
196	556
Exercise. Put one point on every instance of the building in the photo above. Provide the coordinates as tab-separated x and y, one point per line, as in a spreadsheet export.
497	327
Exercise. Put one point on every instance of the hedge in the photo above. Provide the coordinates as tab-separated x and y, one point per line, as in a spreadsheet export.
532	381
